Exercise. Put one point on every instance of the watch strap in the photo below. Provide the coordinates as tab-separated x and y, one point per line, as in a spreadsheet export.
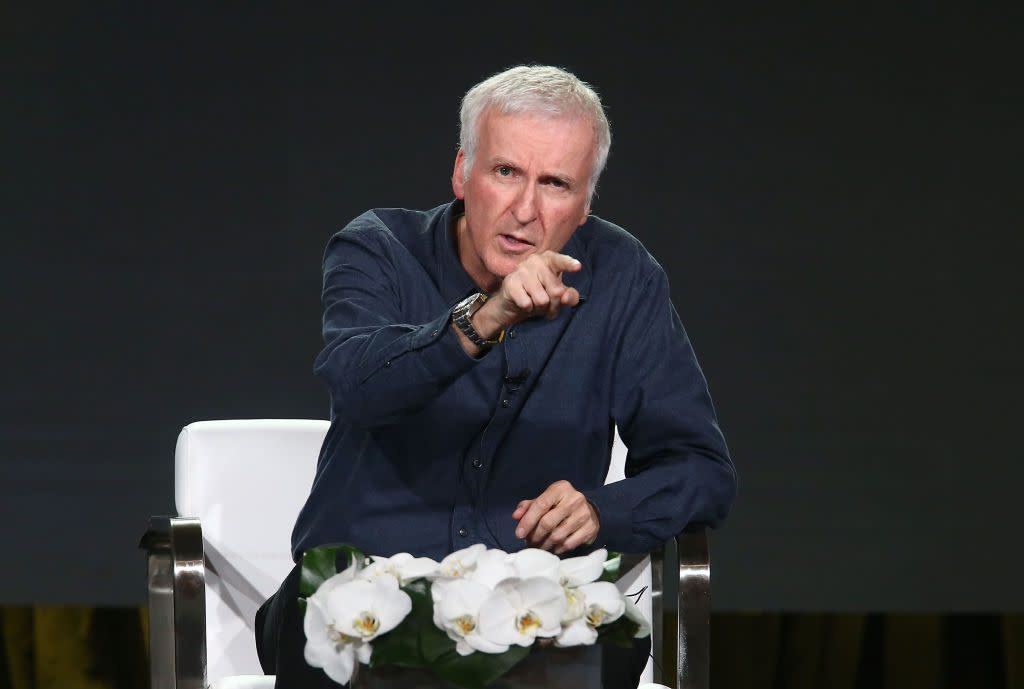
462	316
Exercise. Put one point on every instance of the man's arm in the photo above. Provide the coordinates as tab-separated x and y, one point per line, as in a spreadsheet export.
678	469
378	366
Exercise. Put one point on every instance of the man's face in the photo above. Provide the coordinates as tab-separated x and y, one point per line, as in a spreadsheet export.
526	193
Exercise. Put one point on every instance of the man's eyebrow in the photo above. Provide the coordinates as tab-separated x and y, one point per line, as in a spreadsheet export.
553	176
568	180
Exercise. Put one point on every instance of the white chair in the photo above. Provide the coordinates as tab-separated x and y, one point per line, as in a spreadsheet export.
239	486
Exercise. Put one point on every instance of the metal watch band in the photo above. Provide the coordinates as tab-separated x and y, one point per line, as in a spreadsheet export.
463	312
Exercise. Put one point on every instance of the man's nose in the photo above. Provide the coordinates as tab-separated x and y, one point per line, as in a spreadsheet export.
524	209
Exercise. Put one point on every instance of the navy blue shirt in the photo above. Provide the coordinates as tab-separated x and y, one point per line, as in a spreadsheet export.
430	450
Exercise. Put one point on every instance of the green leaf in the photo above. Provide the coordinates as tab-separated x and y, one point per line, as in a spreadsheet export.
477	670
630	625
618	633
320	564
399	647
417	641
611	568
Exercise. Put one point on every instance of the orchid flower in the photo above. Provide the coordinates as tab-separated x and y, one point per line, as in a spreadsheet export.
364	609
602	604
575	604
402	566
461	562
576	571
520	610
492	566
456	612
326	647
534	562
344	615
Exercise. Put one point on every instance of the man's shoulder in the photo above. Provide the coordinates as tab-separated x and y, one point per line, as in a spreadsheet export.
381	226
610	247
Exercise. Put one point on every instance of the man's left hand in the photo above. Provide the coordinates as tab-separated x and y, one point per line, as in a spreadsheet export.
560	519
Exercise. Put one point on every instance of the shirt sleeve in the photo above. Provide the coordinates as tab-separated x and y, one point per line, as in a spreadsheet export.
379	367
678	470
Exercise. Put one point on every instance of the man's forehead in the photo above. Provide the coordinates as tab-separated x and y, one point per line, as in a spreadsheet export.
510	135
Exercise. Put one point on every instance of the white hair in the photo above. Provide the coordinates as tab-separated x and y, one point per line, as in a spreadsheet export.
534	89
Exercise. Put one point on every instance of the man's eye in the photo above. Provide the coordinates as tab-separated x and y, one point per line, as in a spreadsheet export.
504	171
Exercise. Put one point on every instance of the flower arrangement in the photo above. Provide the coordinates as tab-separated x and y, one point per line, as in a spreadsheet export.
468	619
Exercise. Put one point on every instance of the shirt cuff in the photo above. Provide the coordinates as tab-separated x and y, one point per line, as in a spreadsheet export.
441	349
616	530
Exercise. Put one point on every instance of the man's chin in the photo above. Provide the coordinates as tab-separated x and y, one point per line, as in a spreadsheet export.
505	265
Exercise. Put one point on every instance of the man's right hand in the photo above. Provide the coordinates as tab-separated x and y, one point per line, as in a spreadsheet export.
534	288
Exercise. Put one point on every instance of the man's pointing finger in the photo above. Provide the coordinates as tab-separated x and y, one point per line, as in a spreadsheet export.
561	263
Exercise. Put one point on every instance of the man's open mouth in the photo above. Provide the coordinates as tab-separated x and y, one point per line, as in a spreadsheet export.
514	244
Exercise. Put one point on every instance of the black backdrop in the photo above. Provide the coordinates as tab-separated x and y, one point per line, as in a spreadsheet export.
832	194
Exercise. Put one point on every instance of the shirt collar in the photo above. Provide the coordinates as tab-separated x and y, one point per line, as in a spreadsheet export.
455	283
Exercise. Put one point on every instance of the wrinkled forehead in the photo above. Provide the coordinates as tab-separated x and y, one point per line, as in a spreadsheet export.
565	144
494	119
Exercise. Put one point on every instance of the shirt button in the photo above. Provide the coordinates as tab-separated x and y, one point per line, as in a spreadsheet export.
463	532
505	403
387	364
477	463
512	333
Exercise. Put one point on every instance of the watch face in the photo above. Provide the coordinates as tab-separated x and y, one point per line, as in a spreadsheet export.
467	303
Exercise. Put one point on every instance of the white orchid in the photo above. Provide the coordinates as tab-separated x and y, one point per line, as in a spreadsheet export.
520	610
492	566
636	616
344	615
573	572
365	609
461	562
328	648
457	605
602	604
575	604
576	571
534	562
402	566
484	600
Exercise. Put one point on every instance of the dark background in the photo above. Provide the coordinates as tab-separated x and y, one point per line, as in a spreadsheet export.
834	195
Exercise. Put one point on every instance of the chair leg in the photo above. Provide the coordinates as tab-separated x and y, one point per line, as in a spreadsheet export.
694	612
177	603
681	602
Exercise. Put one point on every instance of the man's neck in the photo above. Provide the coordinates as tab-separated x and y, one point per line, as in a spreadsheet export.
470	261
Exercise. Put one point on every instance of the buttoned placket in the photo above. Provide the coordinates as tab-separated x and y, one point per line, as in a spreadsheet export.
467	521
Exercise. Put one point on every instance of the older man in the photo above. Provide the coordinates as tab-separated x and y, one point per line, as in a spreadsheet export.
480	355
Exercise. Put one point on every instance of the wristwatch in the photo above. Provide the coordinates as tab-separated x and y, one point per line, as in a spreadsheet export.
463	312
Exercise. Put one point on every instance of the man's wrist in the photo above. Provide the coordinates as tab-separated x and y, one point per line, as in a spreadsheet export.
486	323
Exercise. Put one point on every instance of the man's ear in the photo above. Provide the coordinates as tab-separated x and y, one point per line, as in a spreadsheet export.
458	179
586	212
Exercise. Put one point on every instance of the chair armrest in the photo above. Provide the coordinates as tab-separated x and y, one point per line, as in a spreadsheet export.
681	601
176	582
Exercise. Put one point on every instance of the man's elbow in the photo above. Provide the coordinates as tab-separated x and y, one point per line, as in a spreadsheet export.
721	488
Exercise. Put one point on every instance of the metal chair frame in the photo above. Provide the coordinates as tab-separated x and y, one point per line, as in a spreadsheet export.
681	599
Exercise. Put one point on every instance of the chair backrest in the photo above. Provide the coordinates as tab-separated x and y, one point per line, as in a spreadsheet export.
246	482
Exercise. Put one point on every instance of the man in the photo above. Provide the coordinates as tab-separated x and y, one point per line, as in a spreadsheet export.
479	356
